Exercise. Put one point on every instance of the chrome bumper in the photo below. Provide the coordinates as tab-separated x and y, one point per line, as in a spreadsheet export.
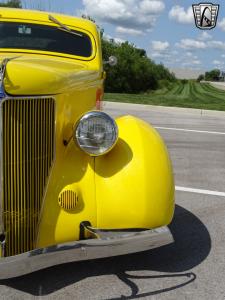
35	260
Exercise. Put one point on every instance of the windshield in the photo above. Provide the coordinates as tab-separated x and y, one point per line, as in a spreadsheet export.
43	38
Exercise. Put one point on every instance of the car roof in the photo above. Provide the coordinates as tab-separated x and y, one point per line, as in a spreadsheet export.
42	16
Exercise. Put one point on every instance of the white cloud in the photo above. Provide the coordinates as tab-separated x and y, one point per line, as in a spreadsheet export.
221	24
216	62
159	55
191	44
163	51
217	45
178	14
189	54
152	7
137	15
160	50
116	40
223	55
174	52
124	31
196	62
205	36
188	59
191	63
160	46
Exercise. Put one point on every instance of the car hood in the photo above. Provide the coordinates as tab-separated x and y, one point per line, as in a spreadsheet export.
39	75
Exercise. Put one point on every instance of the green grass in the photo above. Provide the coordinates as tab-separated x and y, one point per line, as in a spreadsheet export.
191	94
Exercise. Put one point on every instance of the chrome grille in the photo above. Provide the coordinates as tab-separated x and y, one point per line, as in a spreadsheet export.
28	151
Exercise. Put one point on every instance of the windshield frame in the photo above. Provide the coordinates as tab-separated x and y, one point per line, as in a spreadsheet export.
50	53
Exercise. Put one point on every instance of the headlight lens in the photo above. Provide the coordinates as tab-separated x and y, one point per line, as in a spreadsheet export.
96	133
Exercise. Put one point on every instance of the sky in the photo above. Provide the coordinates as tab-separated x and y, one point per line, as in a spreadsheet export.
164	28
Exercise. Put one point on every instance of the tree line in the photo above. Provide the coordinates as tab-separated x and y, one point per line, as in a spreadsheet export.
11	3
213	75
135	71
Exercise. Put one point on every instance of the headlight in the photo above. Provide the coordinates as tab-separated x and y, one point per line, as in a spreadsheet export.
96	133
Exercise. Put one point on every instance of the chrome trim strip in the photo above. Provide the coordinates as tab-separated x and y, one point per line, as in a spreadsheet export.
1	174
4	96
83	250
2	91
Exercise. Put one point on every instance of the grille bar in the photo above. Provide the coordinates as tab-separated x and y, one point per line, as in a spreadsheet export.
28	129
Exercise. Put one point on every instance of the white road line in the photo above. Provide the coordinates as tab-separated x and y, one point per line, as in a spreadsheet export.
190	130
199	191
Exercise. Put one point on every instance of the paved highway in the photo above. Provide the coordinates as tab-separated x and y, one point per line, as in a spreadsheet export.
219	85
191	268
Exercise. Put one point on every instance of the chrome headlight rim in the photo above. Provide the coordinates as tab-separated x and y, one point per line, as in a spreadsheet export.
92	114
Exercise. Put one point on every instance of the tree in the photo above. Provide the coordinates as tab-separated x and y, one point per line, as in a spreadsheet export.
135	71
212	75
200	77
11	3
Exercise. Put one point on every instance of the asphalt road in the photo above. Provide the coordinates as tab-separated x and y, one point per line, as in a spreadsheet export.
191	268
219	85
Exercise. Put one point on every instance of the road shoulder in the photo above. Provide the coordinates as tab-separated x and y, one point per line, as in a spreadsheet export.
169	109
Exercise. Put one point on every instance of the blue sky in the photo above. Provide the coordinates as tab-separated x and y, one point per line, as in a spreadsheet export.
164	28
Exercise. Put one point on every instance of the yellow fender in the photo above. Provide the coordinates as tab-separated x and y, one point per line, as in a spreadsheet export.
134	182
130	187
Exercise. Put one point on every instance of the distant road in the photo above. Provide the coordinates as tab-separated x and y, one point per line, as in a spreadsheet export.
219	85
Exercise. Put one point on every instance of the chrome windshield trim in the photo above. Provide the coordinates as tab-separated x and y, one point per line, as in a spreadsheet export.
38	259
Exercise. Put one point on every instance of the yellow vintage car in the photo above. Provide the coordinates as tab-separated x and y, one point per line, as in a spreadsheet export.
75	183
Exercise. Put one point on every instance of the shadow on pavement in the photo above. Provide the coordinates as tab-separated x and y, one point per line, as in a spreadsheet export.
192	246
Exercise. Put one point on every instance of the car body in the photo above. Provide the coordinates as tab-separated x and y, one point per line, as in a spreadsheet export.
59	202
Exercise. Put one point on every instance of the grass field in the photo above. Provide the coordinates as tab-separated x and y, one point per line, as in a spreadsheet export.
191	94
